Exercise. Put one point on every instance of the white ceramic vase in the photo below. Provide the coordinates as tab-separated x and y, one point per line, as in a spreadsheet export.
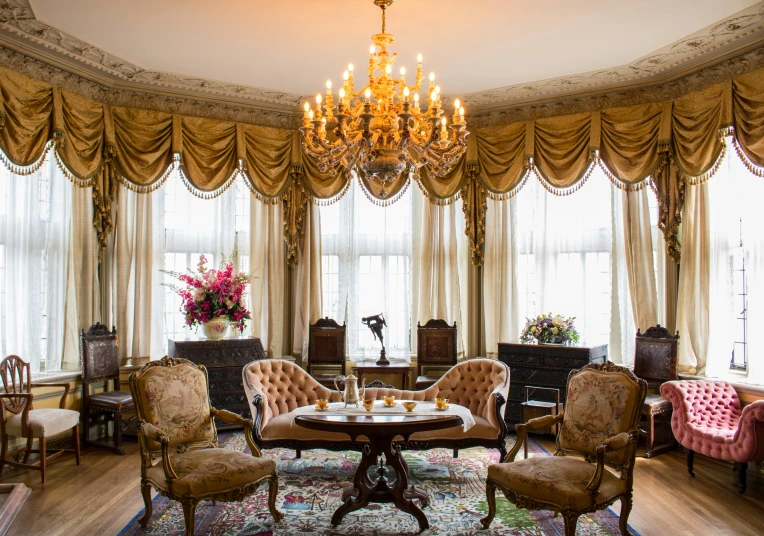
217	328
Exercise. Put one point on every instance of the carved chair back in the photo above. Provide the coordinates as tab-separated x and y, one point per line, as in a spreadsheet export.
98	353
173	395
435	344
326	344
655	355
17	376
603	400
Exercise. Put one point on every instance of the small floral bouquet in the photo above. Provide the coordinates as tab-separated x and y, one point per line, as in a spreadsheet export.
550	329
211	294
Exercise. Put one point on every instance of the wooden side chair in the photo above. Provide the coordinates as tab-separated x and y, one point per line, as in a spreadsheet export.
177	429
18	417
100	364
326	348
655	360
599	428
435	347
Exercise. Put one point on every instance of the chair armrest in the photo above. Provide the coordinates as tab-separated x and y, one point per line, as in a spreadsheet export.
534	424
233	418
66	386
154	433
617	442
28	397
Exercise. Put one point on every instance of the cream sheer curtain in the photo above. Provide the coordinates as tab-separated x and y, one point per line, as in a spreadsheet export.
501	292
440	294
308	293
35	212
367	270
694	284
268	262
83	299
735	226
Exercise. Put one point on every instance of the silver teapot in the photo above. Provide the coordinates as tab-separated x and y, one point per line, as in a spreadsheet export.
350	395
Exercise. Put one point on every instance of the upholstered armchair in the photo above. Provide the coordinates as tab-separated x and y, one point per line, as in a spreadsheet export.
177	431
707	419
600	424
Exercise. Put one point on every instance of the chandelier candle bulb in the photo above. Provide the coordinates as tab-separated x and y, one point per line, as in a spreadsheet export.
406	93
461	115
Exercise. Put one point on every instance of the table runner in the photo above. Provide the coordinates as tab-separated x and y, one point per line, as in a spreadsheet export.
422	408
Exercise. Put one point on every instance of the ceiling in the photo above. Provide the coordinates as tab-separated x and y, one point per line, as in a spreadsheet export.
295	45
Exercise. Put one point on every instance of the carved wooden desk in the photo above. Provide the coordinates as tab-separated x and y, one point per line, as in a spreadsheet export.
543	366
224	360
380	429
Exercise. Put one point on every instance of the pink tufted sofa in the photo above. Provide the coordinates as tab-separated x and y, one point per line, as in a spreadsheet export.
707	419
275	387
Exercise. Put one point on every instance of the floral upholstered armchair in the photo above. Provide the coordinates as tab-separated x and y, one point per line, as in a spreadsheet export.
600	424
177	429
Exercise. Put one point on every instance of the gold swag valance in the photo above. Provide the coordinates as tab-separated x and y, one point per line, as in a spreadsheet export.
665	144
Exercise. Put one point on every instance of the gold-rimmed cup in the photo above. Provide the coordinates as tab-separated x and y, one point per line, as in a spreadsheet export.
322	403
368	404
441	403
389	400
409	405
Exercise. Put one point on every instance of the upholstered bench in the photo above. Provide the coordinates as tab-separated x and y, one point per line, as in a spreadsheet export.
275	388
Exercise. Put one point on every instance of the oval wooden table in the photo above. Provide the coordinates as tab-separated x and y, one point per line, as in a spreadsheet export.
381	430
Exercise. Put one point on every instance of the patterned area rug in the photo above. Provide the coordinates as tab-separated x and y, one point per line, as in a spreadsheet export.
310	489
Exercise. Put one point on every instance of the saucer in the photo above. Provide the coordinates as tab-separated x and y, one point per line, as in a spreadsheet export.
320	409
442	409
389	405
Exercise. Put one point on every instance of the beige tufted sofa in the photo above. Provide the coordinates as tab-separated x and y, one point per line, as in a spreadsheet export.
274	388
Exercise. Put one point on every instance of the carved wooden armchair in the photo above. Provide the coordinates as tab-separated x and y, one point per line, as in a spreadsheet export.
435	347
599	424
18	418
100	364
177	429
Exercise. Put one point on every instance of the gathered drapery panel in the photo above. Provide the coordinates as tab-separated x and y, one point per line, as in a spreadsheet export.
143	144
562	150
25	126
501	152
208	152
748	114
695	122
82	124
308	306
267	156
443	189
669	188
629	141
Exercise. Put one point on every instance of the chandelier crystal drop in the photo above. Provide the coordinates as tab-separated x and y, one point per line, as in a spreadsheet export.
382	130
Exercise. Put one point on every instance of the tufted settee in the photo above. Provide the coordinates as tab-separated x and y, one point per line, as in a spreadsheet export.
708	419
275	388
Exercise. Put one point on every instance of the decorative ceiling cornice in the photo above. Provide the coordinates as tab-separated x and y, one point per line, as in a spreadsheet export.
731	36
721	72
47	53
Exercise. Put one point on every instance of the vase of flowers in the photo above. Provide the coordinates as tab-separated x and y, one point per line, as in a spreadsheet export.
213	298
550	329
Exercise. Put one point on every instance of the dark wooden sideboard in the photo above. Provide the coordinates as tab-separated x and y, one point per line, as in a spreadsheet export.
224	360
542	366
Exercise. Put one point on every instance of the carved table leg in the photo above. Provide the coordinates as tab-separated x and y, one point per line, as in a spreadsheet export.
358	497
401	492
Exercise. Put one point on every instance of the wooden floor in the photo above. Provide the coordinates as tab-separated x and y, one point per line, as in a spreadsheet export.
101	496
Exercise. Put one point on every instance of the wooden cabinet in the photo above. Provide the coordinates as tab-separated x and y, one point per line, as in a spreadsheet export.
224	360
542	366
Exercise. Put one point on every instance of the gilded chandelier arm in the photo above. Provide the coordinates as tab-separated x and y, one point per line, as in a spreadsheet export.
617	442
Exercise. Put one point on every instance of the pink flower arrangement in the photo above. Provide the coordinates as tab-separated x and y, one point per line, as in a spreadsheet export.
211	293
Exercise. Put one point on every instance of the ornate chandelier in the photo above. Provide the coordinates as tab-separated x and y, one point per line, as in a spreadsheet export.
382	129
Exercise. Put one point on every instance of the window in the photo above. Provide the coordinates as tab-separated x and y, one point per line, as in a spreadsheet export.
34	238
564	262
366	270
195	226
735	223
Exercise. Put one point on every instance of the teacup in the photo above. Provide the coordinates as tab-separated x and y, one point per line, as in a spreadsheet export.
441	403
322	403
389	400
368	404
409	405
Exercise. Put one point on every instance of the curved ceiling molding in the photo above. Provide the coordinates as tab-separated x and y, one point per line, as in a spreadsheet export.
22	32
